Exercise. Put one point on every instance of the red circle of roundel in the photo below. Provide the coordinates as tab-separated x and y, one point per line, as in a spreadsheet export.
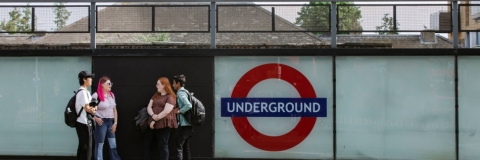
250	134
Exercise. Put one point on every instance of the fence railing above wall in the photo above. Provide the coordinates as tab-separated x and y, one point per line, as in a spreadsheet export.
153	18
19	19
392	18
469	17
273	18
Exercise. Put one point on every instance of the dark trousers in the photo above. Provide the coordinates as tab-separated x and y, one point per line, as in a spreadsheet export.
84	133
162	136
184	134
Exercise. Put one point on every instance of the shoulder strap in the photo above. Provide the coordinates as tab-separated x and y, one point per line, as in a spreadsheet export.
188	95
78	114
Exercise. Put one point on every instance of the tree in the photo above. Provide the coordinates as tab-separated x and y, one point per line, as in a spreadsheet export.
387	26
317	17
18	22
61	15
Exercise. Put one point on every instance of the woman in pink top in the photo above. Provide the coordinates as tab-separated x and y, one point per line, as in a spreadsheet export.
106	119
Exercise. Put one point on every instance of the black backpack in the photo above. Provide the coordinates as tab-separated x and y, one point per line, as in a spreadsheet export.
70	112
196	115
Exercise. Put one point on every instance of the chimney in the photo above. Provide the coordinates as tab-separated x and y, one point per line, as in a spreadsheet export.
428	37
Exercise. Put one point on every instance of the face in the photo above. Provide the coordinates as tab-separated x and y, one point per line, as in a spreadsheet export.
176	86
107	86
88	81
160	86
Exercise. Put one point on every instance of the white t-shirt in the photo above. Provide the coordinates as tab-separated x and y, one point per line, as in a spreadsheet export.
83	97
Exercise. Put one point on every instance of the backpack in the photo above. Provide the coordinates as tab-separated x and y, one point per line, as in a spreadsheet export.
196	115
70	112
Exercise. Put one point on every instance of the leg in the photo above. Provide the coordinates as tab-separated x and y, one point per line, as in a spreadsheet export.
147	140
112	141
183	138
82	133
179	143
162	139
90	141
188	132
99	135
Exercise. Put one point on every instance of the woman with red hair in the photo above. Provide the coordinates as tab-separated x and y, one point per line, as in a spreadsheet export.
162	118
106	119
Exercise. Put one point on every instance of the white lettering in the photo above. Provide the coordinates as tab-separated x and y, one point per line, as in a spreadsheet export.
296	107
240	107
280	106
274	108
255	107
316	107
228	107
289	104
248	106
264	107
308	107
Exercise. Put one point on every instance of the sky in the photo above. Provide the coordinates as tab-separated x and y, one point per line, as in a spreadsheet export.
372	15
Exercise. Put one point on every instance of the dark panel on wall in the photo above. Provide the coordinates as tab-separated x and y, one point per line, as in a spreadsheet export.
134	80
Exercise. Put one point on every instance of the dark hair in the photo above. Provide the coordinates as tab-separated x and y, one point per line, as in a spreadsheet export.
80	81
180	79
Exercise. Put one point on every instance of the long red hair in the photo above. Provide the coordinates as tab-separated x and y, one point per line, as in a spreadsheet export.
166	86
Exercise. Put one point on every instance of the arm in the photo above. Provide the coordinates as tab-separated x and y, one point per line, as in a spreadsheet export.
87	107
166	111
149	108
183	99
115	120
114	126
95	96
96	117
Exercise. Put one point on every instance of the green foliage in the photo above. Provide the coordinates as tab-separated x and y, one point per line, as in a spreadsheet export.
318	17
61	15
151	37
387	26
20	21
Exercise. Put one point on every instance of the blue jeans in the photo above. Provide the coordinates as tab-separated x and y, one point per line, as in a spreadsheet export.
105	130
162	136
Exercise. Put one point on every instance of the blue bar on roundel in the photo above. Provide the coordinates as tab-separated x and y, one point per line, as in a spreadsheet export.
273	107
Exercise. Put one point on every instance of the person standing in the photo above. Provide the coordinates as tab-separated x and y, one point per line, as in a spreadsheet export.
185	129
162	118
106	119
83	126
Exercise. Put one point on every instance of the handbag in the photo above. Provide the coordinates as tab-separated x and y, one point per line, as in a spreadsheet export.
144	126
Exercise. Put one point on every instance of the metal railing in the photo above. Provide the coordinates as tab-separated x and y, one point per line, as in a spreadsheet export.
469	17
243	18
153	18
388	18
272	18
42	19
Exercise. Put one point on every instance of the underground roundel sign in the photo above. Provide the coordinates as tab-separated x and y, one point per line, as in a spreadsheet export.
239	107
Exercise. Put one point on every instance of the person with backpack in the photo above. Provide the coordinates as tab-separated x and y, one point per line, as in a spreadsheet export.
84	125
162	119
106	119
185	129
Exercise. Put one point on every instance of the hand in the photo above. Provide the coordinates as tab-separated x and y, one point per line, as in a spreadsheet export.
90	110
98	120
114	128
151	124
176	110
156	117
